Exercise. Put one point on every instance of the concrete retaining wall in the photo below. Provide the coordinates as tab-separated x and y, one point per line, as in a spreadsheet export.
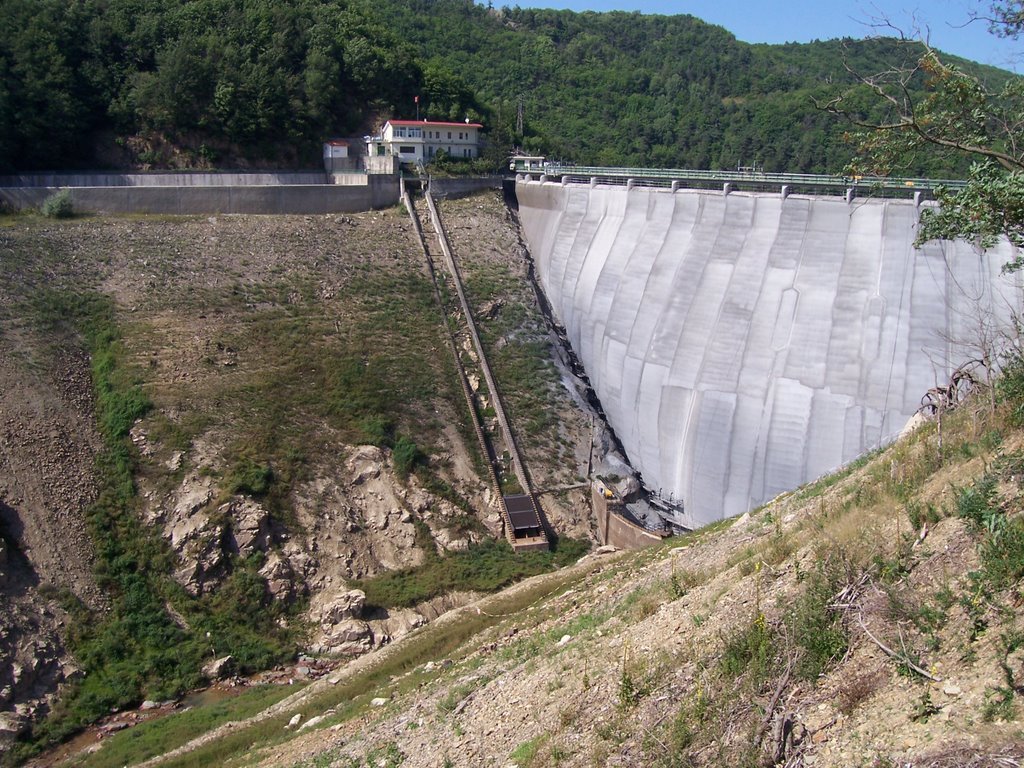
744	344
163	179
616	530
378	192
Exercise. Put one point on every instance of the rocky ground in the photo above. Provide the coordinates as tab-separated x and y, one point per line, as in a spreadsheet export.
258	341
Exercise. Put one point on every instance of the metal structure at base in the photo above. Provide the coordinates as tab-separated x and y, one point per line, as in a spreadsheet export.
522	518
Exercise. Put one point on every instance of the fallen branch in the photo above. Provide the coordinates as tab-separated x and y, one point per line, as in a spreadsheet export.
900	657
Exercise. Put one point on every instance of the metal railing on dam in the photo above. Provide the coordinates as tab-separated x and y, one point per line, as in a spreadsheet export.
746	180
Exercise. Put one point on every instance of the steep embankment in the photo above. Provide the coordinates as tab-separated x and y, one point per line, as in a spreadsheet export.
869	619
48	443
743	344
277	407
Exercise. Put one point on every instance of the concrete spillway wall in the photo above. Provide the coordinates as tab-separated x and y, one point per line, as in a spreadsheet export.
744	344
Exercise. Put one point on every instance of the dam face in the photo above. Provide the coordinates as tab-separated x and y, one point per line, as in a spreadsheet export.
744	344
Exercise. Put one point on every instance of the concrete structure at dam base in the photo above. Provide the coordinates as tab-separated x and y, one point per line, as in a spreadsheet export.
744	343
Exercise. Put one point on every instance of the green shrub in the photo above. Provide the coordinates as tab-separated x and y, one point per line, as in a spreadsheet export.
1010	386
377	430
975	503
406	455
1002	543
58	205
818	630
751	650
250	477
1002	552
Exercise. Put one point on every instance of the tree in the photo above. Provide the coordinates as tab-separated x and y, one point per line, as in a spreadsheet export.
959	115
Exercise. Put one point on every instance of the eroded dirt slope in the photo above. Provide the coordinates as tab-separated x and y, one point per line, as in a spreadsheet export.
48	443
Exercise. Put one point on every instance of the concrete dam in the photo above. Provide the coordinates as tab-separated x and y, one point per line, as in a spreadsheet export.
743	344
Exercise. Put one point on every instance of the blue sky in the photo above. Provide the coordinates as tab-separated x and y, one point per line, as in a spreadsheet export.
946	22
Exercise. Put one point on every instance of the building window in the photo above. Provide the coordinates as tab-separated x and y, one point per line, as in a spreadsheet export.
414	133
449	134
407	150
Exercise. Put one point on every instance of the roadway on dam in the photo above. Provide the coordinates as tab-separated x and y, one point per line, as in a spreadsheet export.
743	344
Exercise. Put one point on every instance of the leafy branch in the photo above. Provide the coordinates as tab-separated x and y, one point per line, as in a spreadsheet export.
929	105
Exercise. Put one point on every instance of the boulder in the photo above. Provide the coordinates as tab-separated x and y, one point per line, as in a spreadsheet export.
250	525
205	561
628	488
350	637
279	575
347	606
220	668
450	542
312	722
10	726
365	463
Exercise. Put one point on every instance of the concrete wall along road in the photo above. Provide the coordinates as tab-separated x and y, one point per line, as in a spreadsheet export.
742	345
187	199
164	179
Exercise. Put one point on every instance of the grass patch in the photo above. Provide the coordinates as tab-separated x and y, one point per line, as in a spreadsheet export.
527	751
484	567
159	736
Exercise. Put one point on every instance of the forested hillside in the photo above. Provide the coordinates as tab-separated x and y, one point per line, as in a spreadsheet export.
659	91
121	83
251	78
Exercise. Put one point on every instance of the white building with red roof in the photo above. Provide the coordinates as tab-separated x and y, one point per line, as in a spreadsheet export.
416	141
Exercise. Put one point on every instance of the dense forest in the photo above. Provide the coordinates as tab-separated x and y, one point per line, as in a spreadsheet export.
141	83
